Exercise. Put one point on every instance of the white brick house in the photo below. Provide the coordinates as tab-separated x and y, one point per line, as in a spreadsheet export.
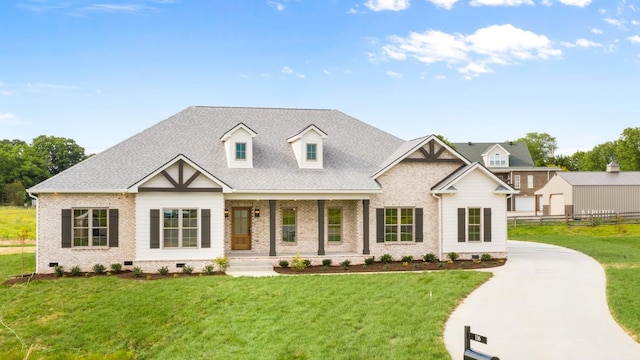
267	183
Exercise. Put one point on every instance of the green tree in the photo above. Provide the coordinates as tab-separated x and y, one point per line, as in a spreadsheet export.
15	193
542	147
58	153
598	158
627	149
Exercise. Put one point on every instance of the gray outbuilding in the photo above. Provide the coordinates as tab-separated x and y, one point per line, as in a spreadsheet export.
592	193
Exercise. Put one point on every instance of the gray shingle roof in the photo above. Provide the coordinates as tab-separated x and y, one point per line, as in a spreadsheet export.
581	178
520	156
353	151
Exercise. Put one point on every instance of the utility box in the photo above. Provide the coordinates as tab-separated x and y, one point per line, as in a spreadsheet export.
469	353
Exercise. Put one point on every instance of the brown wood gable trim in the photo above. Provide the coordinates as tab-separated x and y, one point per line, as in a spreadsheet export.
432	155
180	185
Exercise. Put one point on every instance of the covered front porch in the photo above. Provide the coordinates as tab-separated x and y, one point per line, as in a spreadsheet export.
315	229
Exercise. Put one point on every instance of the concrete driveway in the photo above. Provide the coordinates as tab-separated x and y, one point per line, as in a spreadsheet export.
546	302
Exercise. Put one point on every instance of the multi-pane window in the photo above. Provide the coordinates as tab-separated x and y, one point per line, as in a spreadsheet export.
474	224
530	181
398	224
241	151
289	225
180	228
90	227
497	160
312	151
516	181
334	227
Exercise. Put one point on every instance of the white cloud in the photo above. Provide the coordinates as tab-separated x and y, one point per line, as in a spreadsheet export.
596	31
441	77
445	4
80	8
615	22
582	43
6	93
118	8
578	3
10	119
277	5
395	75
500	2
326	72
393	5
634	39
635	22
473	54
289	71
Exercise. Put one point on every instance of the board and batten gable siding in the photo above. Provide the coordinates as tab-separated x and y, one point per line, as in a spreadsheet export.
49	242
605	198
146	201
408	184
475	191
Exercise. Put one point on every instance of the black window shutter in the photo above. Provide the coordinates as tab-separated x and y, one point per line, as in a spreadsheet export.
113	227
462	225
487	224
205	235
155	229
380	225
419	231
66	228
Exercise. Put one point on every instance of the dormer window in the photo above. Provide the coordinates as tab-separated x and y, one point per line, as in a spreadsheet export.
307	147
241	151
238	144
497	160
496	156
312	152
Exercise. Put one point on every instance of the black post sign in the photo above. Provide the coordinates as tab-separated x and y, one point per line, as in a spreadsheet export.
471	354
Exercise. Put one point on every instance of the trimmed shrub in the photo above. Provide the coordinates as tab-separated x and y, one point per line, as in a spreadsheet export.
163	270
298	263
98	268
407	259
430	257
137	272
58	271
486	257
369	260
283	263
386	258
453	256
326	263
345	264
187	269
75	271
209	269
116	268
222	263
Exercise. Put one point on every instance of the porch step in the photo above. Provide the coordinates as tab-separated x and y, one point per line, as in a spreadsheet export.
247	267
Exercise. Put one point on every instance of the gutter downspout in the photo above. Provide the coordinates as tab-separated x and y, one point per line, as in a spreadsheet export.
440	226
37	222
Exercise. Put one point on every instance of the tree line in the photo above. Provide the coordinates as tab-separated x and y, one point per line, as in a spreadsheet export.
23	165
625	151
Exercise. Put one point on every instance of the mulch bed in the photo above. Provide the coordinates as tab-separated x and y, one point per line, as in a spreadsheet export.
416	265
315	269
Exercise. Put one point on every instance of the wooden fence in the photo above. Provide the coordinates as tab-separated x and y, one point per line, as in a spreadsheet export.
576	220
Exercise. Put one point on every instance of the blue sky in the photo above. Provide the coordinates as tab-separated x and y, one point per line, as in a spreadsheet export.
471	70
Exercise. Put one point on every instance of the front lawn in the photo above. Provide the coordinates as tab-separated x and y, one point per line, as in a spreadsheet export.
617	248
16	221
381	316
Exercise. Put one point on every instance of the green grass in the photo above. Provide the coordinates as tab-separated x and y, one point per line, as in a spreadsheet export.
381	316
13	220
617	248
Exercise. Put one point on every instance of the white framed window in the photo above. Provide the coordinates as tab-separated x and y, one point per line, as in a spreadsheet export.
497	160
516	181
312	152
474	224
334	226
289	225
180	228
241	151
529	181
90	227
398	224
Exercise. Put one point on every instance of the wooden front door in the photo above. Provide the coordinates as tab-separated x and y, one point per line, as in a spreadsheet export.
240	229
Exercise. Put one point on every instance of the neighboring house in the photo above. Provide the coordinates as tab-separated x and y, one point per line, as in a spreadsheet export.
267	183
594	192
511	162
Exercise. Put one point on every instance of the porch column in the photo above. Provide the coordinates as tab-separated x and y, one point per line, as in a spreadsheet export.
365	227
272	228
320	227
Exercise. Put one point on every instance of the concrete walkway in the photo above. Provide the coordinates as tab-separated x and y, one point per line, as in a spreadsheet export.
546	302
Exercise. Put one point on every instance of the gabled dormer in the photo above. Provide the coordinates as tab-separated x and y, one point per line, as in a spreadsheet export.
238	145
496	156
308	147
